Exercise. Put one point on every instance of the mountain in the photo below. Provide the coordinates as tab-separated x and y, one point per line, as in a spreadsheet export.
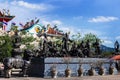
105	48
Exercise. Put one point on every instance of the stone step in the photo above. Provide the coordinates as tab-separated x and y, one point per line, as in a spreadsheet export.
16	70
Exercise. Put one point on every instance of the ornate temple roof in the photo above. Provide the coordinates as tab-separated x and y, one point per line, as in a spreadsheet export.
34	28
5	16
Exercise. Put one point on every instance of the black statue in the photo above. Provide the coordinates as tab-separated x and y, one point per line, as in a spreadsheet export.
27	56
84	48
117	65
87	48
116	46
81	46
88	45
16	52
65	43
97	47
74	50
45	44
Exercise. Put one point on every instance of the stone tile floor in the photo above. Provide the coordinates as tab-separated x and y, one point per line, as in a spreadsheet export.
106	77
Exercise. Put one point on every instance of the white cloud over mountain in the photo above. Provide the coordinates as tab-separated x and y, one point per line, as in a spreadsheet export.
106	41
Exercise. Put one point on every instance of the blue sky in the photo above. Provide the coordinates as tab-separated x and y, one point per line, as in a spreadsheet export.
100	17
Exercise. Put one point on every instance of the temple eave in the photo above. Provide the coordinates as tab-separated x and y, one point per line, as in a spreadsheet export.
6	18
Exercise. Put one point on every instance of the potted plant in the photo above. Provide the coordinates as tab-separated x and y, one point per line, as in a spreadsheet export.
80	70
91	71
53	71
100	68
67	70
111	69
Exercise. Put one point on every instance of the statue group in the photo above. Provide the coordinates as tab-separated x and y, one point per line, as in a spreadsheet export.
51	49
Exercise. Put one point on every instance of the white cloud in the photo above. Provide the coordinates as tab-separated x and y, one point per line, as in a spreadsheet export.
58	22
117	38
53	22
44	22
38	6
103	19
87	31
68	29
77	17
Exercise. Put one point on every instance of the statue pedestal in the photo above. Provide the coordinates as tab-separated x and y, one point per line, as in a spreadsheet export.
37	67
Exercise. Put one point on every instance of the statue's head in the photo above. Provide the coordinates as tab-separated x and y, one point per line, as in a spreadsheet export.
66	34
116	41
16	32
32	20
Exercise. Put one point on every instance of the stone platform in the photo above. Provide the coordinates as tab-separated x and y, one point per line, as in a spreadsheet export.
40	67
106	77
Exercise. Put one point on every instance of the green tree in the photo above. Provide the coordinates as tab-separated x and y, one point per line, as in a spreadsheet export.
91	37
5	46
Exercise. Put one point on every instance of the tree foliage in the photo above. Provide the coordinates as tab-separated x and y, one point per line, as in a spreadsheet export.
27	39
91	37
5	46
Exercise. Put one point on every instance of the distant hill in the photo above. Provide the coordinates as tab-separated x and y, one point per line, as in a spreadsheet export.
105	48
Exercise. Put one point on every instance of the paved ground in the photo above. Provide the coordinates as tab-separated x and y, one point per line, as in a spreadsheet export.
108	77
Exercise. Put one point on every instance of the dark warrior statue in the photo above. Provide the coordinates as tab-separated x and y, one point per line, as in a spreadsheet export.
116	46
16	52
97	47
65	43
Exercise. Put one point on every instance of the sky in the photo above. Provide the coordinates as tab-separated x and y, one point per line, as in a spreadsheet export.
100	17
